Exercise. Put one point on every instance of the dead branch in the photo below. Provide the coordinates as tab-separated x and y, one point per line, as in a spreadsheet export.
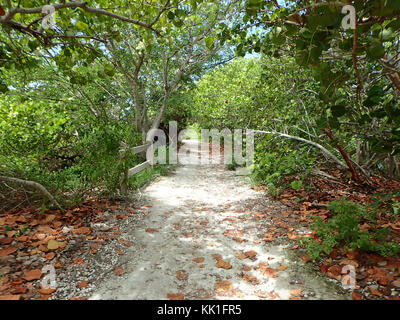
35	185
325	151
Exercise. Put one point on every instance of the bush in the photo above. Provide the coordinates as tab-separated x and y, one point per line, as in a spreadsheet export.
344	228
271	168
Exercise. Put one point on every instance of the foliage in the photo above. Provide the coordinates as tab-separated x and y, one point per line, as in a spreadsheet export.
345	227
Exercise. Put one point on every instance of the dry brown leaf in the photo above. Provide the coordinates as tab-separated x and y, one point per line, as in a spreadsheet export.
82	230
181	275
335	272
78	298
216	256
375	292
175	296
282	268
198	260
83	284
356	296
223	264
47	291
264	268
6	251
125	243
223	285
151	230
240	256
306	258
50	255
296	292
22	238
10	297
119	271
250	278
6	240
34	274
246	268
251	254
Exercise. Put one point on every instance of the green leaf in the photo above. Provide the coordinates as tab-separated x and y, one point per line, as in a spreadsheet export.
82	26
209	42
392	4
376	50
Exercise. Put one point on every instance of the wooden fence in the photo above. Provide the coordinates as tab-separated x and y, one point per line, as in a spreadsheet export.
140	167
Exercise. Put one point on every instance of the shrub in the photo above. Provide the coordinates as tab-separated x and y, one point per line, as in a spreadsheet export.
344	228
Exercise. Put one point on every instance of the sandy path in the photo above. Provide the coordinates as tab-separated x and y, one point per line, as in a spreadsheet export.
191	210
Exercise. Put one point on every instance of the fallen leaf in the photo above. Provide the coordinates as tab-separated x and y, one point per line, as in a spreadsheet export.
82	230
356	296
198	260
83	284
240	256
250	278
175	296
124	242
10	297
45	229
151	230
53	245
379	275
50	255
375	292
119	271
181	275
296	292
47	291
223	285
282	268
216	256
22	238
349	262
223	264
6	240
306	258
6	251
335	272
34	274
78	261
264	268
78	298
251	254
19	290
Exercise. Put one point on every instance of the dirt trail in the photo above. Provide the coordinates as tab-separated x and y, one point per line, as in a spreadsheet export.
191	210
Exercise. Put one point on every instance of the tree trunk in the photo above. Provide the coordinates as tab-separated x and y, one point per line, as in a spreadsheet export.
354	174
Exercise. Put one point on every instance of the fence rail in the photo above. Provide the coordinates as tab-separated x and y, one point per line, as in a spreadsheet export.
140	167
